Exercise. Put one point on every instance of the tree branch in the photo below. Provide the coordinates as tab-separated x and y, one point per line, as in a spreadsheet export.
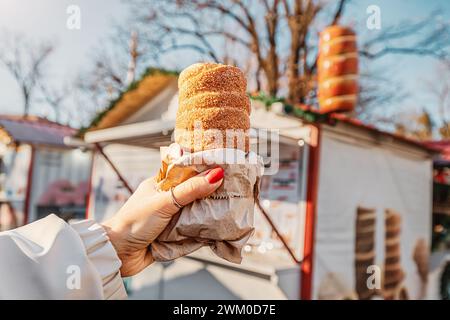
336	18
338	13
400	50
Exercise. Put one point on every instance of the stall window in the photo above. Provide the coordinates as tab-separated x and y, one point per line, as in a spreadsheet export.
283	197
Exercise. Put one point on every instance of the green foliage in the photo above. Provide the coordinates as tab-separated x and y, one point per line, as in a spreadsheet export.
306	115
266	99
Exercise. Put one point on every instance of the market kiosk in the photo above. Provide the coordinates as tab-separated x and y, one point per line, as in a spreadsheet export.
307	244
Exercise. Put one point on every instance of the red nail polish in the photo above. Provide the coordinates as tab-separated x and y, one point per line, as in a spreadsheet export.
215	175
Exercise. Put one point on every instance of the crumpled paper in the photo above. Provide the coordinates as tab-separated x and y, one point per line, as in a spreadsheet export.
224	220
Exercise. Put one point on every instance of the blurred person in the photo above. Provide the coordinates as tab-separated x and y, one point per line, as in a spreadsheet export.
51	259
440	175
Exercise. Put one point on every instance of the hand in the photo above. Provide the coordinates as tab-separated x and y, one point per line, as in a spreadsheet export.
147	212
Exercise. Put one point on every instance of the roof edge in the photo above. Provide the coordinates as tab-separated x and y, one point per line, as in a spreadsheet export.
150	71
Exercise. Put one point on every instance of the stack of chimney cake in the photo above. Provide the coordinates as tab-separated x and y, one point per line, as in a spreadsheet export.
364	251
393	272
337	69
213	108
421	256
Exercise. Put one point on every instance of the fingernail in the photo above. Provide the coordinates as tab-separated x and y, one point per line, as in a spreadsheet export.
215	175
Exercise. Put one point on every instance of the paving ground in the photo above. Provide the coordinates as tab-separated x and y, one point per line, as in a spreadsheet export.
189	280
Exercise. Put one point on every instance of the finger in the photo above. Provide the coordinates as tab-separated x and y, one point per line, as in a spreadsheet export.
197	187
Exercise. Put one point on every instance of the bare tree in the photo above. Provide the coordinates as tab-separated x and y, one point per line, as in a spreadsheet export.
426	126
56	98
114	68
433	121
280	36
439	94
134	55
432	39
25	61
253	26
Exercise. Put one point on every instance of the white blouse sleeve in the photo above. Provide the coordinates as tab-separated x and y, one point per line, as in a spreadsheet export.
50	259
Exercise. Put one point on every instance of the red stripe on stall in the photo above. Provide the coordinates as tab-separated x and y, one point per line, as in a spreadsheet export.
311	205
89	193
27	202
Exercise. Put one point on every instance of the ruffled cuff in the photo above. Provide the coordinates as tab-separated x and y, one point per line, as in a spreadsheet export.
102	255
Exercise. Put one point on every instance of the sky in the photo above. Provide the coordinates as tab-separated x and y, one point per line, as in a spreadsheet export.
413	73
46	19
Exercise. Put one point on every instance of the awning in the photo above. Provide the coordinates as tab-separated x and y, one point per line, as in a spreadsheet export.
34	130
149	134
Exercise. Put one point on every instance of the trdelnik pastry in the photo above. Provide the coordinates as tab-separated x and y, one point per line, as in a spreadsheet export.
212	129
213	108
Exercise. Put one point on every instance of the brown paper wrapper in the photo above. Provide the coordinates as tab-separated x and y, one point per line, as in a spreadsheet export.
223	221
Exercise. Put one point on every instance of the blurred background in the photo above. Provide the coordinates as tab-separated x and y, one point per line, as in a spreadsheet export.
357	91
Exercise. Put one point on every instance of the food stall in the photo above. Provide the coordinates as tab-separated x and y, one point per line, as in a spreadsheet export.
39	173
440	255
322	178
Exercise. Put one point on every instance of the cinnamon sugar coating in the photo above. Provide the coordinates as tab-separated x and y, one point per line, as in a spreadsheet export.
212	97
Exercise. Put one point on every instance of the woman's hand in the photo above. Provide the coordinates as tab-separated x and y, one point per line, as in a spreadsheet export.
147	212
